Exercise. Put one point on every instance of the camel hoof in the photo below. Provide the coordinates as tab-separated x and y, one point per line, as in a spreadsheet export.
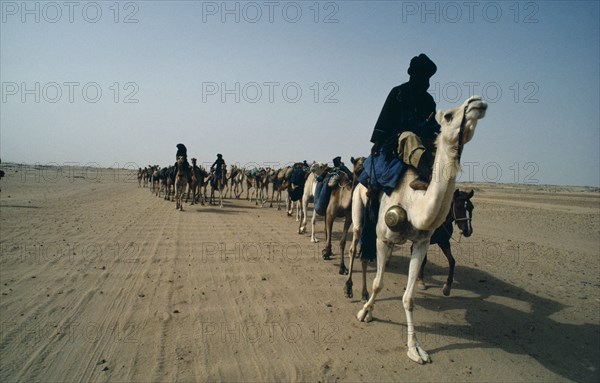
446	289
365	297
343	270
421	285
364	315
326	257
348	289
314	240
417	354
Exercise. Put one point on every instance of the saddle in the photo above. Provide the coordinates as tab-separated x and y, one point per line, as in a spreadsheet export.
297	181
326	183
382	173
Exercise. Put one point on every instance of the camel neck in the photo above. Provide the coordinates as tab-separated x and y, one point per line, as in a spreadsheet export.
438	197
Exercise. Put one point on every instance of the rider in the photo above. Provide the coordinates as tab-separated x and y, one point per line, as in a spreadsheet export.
408	113
182	152
219	165
194	166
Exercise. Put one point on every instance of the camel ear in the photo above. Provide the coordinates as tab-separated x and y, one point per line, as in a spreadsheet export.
353	160
439	117
471	193
456	193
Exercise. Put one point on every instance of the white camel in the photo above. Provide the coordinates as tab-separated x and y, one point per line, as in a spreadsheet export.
414	215
310	186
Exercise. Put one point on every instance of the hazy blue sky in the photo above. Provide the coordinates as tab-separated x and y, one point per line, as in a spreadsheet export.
276	82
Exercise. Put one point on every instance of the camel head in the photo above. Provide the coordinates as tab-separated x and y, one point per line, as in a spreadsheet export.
359	165
458	124
318	168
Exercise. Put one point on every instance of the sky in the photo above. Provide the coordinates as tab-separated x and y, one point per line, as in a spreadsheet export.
269	83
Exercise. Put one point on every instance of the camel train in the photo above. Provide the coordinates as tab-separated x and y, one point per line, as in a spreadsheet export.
423	217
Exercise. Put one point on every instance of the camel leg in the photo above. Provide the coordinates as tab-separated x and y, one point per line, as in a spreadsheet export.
278	199
328	221
356	229
415	352
364	296
451	264
347	223
348	285
357	220
221	195
312	223
304	208
264	196
420	278
384	250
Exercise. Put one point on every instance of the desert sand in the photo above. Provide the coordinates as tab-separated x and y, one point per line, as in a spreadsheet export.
102	281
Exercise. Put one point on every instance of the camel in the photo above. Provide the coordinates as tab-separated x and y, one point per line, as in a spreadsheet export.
251	183
217	183
258	181
140	176
295	189
237	179
181	181
146	176
460	213
196	182
169	183
316	169
159	180
264	178
408	214
280	180
340	205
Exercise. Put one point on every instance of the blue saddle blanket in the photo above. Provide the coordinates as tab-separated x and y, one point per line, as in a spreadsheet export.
381	173
322	195
297	179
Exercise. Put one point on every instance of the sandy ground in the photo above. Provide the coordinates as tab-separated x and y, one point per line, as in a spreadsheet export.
102	281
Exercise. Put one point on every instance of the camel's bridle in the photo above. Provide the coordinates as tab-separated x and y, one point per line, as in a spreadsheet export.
461	132
453	210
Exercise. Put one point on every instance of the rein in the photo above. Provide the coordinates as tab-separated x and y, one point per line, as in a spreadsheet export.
461	133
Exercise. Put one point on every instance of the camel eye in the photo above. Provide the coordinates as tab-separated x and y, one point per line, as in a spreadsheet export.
448	117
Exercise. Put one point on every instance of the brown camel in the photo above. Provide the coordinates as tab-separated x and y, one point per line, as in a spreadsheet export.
181	182
280	181
340	205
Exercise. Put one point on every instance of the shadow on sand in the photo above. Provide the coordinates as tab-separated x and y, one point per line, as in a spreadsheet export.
569	350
